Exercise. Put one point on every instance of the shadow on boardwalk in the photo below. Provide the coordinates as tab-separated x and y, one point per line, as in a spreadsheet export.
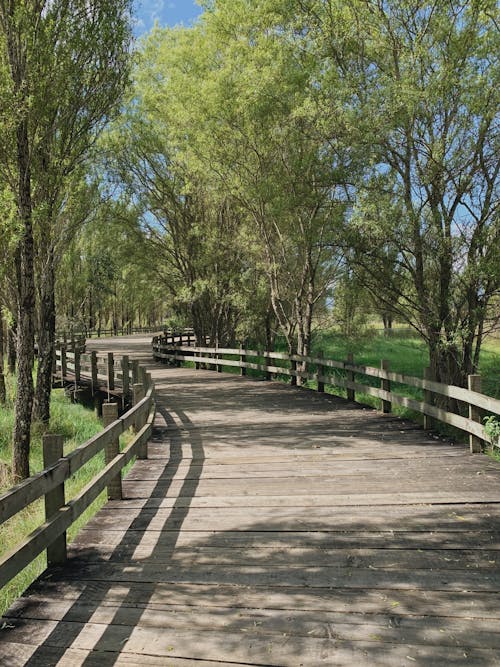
284	528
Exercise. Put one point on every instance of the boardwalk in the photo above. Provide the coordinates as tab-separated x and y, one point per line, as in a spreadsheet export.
276	526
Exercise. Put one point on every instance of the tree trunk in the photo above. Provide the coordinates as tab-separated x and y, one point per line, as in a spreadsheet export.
46	342
11	348
25	313
3	393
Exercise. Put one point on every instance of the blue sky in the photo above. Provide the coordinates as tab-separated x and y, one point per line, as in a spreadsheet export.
166	12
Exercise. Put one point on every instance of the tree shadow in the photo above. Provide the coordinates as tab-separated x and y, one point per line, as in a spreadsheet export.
253	582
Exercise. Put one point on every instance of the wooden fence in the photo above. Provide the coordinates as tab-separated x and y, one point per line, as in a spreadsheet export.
326	371
134	382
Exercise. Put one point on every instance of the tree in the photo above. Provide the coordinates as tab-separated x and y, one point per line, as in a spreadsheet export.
423	89
79	49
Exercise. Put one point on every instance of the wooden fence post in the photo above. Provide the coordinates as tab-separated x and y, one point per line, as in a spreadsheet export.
428	399
125	378
293	368
135	371
138	392
54	500
320	371
64	364
267	363
351	395
78	368
386	386
112	449
243	357
474	384
111	372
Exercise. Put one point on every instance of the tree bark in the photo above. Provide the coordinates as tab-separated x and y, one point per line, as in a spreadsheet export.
11	348
3	393
46	342
25	313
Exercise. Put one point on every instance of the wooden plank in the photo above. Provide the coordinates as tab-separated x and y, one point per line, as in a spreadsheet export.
351	626
399	602
276	526
262	648
26	492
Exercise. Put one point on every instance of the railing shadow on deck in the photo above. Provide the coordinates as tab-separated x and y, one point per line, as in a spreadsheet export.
288	610
126	547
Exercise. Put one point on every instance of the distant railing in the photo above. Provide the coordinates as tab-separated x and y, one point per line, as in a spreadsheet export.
93	370
319	370
101	332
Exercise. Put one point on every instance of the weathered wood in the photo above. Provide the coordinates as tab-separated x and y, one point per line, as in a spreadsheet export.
23	494
64	368
110	371
350	378
54	499
475	443
277	526
125	365
385	385
112	449
428	398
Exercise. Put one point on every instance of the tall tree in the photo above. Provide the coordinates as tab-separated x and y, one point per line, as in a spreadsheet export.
79	49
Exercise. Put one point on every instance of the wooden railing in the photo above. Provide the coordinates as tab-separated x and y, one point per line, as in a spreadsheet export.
326	371
127	330
60	515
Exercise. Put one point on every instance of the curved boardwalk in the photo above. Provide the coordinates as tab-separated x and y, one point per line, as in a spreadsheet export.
276	526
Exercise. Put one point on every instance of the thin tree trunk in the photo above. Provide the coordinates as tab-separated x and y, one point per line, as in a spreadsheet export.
3	393
11	348
46	343
25	313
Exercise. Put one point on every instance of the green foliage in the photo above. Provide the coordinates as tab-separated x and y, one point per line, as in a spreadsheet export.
492	428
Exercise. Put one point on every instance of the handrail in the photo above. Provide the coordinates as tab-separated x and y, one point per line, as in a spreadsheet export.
474	399
53	477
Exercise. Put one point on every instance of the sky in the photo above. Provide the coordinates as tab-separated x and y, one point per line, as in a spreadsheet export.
166	12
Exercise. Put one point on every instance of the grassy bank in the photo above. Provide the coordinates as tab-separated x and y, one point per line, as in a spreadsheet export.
77	424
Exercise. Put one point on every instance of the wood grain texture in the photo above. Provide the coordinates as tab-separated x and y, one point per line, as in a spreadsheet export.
274	526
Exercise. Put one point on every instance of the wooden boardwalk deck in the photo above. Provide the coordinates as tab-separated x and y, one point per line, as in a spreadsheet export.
276	526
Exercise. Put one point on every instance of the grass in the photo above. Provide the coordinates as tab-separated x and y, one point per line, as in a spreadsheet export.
77	424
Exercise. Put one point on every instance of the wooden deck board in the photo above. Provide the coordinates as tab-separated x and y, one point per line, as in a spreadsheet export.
275	526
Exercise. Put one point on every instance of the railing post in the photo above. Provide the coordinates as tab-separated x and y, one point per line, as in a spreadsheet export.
54	500
138	394
125	378
321	384
78	368
243	356
111	372
112	449
293	368
267	363
474	384
428	399
64	364
218	368
350	377
143	377
386	386
135	371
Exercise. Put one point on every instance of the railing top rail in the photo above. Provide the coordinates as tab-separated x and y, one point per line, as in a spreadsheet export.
29	490
474	398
